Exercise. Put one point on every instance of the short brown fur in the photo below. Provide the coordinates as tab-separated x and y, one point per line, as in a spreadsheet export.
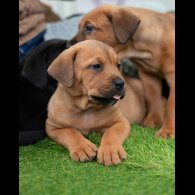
148	38
73	113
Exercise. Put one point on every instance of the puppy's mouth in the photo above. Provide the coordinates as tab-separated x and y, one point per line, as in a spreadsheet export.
106	100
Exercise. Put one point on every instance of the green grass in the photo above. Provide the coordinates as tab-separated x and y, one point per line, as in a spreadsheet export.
47	169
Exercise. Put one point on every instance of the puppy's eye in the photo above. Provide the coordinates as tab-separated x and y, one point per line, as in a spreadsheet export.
119	66
96	67
89	28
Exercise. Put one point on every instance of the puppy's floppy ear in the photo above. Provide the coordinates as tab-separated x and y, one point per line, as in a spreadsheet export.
34	67
124	24
62	68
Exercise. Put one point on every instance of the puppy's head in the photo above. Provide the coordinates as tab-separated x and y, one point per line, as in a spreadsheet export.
109	24
90	68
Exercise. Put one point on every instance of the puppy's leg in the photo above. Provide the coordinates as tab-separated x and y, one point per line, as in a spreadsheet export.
79	147
168	128
111	151
155	104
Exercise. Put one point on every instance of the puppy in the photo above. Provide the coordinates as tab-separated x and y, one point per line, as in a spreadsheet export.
86	100
148	38
36	88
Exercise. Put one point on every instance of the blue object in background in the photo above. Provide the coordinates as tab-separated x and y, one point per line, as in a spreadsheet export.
27	47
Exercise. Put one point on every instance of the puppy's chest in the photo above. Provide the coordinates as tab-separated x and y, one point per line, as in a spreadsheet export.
87	122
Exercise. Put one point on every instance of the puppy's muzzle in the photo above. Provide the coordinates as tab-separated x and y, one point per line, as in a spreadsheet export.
110	97
118	84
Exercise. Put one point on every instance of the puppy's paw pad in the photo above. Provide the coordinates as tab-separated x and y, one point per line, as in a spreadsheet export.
84	151
111	154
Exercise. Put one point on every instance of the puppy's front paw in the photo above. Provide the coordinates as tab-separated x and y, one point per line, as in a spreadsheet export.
111	154
83	151
165	133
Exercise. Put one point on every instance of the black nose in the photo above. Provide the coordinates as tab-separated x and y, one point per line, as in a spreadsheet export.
119	84
70	43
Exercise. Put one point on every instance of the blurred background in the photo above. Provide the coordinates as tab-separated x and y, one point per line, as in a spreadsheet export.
65	8
42	20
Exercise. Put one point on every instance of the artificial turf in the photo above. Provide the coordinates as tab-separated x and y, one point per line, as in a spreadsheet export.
46	168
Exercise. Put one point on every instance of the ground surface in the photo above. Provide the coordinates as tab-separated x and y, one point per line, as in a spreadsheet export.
47	169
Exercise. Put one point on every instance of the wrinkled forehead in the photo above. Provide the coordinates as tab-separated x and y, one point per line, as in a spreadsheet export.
95	50
94	17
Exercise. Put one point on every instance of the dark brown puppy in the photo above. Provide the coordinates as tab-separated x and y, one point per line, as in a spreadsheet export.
148	38
86	100
35	89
